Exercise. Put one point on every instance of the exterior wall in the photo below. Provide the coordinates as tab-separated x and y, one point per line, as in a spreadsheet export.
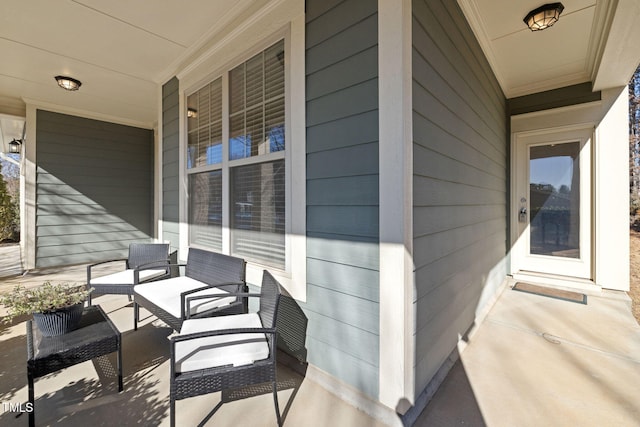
170	163
460	195
342	191
94	189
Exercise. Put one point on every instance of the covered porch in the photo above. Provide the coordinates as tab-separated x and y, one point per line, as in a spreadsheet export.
374	155
511	366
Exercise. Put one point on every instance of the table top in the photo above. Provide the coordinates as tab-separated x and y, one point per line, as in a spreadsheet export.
95	327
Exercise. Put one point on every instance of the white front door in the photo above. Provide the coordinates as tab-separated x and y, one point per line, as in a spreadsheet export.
551	219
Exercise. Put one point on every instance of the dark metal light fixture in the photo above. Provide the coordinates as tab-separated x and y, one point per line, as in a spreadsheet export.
544	16
68	83
14	146
192	113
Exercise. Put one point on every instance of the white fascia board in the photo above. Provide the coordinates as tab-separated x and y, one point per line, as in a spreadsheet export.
619	56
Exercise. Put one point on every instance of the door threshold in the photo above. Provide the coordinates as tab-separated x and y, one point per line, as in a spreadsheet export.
560	282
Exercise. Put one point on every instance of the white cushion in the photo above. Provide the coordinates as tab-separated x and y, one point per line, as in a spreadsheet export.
125	277
202	353
166	295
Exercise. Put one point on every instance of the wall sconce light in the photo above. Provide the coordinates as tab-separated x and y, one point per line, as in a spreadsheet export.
192	113
544	16
14	146
68	83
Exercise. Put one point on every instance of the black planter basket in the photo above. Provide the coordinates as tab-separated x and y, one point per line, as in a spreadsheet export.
60	321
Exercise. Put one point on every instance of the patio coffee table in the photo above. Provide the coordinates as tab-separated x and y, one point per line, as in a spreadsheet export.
96	336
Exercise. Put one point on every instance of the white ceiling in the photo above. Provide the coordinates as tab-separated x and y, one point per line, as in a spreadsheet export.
123	50
570	52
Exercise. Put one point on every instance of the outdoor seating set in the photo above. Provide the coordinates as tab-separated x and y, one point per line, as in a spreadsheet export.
219	344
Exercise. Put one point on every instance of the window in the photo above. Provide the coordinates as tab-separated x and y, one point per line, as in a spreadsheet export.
251	204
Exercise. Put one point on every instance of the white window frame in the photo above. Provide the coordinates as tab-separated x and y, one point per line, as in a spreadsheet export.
293	276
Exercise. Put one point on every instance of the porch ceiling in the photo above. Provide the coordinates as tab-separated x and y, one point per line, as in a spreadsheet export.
592	42
122	50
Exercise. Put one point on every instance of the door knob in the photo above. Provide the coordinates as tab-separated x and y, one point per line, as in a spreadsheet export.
523	214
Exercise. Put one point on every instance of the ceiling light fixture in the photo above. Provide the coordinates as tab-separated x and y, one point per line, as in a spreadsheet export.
68	83
192	113
544	16
14	146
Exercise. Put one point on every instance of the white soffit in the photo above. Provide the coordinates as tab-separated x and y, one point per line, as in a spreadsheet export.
119	49
526	62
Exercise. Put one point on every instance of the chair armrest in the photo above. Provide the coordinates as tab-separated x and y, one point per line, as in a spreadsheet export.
205	334
185	301
235	331
149	266
136	271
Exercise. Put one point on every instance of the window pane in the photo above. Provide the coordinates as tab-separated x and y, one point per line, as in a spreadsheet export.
256	103
274	126
205	209
254	81
236	89
274	71
258	212
239	145
554	194
204	125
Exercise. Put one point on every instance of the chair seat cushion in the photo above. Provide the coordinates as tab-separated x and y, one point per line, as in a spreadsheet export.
166	295
126	277
203	353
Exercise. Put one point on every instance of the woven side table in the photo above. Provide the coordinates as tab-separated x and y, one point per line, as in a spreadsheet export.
96	336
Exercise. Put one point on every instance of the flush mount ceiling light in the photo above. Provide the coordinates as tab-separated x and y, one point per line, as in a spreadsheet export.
544	16
14	146
68	83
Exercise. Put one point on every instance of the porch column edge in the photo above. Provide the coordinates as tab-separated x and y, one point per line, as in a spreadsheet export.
396	369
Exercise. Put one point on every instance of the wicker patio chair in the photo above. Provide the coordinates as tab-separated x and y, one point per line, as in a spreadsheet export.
228	352
146	262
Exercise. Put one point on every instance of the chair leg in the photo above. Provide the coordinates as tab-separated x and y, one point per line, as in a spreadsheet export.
172	411
275	402
136	315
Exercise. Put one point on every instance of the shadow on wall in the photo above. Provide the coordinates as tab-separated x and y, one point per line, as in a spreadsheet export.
94	187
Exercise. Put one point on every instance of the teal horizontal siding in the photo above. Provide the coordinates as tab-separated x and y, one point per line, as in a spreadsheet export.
460	150
94	189
342	45
359	190
351	101
344	132
342	190
170	162
343	162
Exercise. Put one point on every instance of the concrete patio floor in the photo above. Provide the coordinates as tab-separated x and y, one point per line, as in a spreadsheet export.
533	361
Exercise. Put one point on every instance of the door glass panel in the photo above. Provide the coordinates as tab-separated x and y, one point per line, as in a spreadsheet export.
554	195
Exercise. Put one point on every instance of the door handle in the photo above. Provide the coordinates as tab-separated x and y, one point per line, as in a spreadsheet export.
523	214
